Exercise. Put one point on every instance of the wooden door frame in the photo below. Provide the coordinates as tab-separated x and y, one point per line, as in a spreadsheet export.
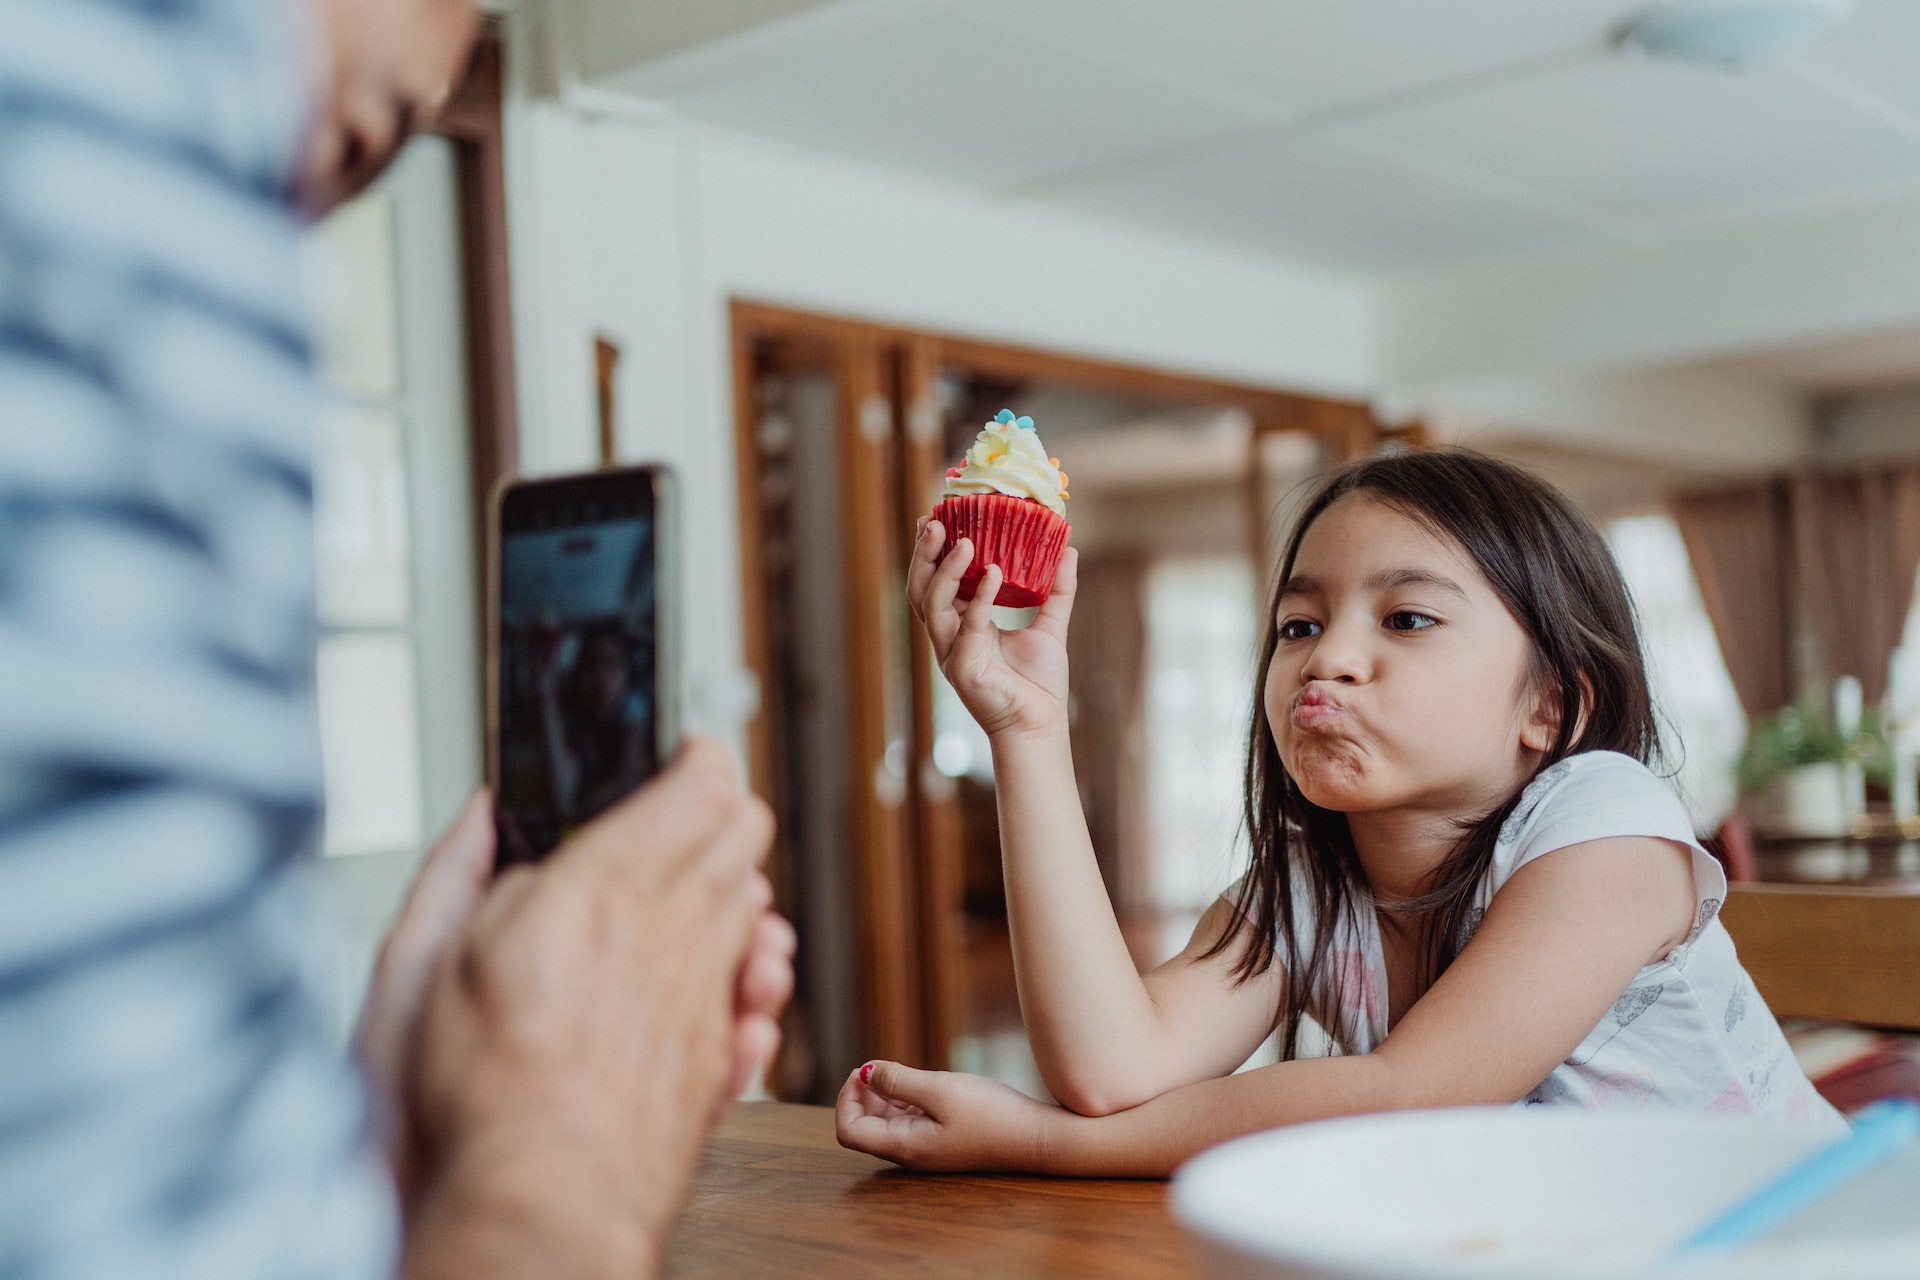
885	883
911	994
933	797
473	122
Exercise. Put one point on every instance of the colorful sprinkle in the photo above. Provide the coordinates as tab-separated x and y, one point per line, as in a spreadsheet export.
953	471
1005	415
1025	422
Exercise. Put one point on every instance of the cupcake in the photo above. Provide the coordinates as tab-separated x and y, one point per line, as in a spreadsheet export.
1010	498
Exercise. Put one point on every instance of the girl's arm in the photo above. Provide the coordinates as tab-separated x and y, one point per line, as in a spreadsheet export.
1103	1037
1562	940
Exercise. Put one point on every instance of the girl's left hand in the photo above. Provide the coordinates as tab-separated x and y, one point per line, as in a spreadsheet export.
942	1121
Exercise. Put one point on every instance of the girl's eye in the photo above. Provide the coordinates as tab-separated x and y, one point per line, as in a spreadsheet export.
1407	620
1298	629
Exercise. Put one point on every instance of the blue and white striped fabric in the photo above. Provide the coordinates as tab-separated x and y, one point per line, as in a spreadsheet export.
169	1103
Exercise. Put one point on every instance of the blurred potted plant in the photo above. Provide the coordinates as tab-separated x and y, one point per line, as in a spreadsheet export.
1801	774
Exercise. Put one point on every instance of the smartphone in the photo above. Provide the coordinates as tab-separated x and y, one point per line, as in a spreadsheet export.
583	680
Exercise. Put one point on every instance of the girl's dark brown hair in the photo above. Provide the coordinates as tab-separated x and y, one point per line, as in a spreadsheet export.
1551	568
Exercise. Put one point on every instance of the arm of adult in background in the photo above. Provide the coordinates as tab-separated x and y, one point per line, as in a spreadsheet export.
565	1039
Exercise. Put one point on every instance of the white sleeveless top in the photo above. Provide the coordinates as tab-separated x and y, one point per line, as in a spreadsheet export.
1691	1032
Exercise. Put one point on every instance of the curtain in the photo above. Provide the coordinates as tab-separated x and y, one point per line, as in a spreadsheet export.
1741	544
1106	650
1858	539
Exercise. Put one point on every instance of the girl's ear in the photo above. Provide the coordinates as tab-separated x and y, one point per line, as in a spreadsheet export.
1541	727
1541	724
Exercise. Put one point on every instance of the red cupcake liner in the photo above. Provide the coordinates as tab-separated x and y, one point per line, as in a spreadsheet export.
1024	538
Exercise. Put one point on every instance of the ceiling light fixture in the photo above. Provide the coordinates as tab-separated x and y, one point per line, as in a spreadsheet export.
1731	34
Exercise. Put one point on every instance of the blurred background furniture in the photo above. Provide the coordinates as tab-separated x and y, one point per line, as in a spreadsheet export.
1849	957
1844	953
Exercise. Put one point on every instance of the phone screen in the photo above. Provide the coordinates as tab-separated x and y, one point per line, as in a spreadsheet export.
578	654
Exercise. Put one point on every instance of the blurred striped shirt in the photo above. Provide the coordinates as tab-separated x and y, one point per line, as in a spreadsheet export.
169	1102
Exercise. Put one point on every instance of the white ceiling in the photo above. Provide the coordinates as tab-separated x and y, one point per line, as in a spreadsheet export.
1373	135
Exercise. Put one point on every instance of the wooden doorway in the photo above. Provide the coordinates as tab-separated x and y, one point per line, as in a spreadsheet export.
844	429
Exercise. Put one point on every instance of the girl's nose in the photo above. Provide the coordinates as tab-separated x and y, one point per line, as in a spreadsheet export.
1338	656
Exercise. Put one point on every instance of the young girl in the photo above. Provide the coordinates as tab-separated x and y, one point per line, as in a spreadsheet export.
1462	867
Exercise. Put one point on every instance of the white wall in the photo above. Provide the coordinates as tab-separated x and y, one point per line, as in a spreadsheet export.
1675	417
1597	345
644	231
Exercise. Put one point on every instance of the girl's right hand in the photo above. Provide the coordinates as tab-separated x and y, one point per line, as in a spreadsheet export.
1010	681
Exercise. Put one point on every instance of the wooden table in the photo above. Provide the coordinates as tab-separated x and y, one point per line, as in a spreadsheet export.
777	1196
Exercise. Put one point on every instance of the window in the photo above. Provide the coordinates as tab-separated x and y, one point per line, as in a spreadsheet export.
1201	637
1702	726
398	670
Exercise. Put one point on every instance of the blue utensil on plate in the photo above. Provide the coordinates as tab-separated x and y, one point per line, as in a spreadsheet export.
1880	1131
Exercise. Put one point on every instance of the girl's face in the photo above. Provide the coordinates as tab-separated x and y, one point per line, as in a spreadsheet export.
1400	680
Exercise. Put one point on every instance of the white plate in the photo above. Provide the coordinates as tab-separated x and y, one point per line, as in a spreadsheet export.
1544	1193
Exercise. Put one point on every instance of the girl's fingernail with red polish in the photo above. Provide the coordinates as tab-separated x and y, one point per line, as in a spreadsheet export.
866	1074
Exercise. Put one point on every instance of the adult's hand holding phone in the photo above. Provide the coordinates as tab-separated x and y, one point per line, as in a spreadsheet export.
582	1031
452	881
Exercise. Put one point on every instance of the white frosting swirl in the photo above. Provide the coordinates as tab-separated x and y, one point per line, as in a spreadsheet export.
1008	458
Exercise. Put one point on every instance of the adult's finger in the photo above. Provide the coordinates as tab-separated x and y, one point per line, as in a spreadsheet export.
766	975
452	879
445	895
737	903
672	820
761	991
732	860
510	893
756	1038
